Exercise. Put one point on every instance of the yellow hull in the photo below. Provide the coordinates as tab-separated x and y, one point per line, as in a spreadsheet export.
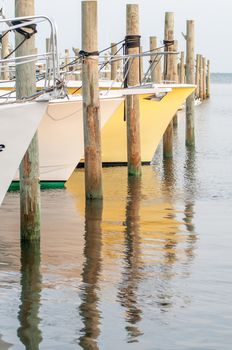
154	119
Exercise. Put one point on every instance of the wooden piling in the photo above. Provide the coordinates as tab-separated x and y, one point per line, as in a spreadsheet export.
132	102
182	68
114	64
204	77
156	74
107	73
77	70
66	59
48	45
168	73
4	53
141	67
29	168
91	104
208	80
190	79
201	77
197	75
175	77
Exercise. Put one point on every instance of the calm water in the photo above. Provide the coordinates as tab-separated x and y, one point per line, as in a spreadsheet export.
149	269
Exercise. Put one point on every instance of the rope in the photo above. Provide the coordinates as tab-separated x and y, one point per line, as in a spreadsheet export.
132	41
17	47
23	32
110	47
83	54
109	61
168	42
105	63
2	36
65	117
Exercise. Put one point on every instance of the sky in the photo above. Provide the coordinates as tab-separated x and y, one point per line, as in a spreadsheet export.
212	23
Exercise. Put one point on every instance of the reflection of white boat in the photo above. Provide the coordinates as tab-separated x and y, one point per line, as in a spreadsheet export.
18	124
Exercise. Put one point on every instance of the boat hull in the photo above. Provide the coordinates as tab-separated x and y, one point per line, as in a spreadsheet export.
61	139
154	119
18	124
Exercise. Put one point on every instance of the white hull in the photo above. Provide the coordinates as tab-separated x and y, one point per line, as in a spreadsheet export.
18	124
61	140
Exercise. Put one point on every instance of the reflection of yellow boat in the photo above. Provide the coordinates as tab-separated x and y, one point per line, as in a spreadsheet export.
159	229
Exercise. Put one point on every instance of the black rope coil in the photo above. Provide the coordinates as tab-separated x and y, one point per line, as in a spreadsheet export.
168	42
83	53
132	41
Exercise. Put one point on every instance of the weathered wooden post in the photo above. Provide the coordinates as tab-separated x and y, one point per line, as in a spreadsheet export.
168	73
132	102
200	77
141	68
4	53
77	70
29	168
48	44
66	59
107	73
91	104
197	80
47	65
114	64
208	80
190	79
156	74
204	77
182	68
175	76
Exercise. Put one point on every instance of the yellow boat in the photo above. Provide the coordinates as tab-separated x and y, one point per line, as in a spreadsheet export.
155	115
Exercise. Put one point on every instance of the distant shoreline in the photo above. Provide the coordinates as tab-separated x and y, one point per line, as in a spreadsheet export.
221	78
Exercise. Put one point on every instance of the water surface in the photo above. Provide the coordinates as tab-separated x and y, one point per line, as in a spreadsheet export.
149	268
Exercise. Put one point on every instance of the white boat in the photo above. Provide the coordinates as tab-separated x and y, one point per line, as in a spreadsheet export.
18	124
61	140
61	137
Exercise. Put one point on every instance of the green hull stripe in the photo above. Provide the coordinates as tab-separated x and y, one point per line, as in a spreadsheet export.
44	185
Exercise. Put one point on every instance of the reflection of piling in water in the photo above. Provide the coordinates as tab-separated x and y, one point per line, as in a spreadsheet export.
190	186
169	186
168	176
131	275
190	175
29	332
93	243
